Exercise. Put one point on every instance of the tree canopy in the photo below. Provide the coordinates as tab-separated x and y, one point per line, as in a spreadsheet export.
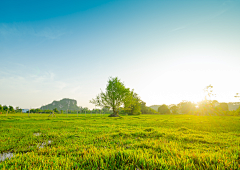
186	107
163	109
114	97
132	103
174	109
5	108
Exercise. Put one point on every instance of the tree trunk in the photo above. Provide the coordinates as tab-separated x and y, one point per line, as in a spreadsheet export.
114	114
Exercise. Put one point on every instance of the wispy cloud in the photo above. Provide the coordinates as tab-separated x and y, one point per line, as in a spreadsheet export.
17	29
7	30
36	81
60	85
49	33
27	81
219	13
75	89
200	21
19	64
178	29
43	77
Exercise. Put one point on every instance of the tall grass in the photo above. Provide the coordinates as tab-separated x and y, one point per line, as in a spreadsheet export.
129	142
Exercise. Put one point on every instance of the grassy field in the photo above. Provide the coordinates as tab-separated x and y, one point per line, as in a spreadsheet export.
129	142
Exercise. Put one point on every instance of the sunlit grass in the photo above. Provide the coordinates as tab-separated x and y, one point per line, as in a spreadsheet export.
129	142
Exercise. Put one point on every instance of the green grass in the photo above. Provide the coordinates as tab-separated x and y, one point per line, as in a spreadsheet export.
129	142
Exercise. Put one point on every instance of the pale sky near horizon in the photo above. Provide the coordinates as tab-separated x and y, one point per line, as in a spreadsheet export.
167	51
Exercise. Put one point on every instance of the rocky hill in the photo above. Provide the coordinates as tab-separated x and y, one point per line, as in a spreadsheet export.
64	104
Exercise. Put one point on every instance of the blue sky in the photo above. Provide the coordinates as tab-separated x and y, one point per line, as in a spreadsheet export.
168	51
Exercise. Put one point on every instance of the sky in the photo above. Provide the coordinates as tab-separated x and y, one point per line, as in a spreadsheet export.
166	50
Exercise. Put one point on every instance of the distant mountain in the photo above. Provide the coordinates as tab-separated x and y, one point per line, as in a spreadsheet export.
155	107
64	104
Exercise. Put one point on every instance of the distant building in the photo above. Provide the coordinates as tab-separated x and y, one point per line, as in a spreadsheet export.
25	110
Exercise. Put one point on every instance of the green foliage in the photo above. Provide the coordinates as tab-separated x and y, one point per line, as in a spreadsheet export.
85	110
114	96
174	109
132	103
129	142
186	107
11	109
47	111
163	109
37	111
55	110
106	109
1	108
5	108
208	107
18	110
237	112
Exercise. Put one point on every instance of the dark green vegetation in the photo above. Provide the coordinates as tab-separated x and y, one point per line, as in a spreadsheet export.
127	142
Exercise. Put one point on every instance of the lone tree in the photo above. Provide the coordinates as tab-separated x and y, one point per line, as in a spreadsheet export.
114	96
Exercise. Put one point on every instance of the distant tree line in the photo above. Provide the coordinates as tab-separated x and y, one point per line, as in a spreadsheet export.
9	109
205	107
117	99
